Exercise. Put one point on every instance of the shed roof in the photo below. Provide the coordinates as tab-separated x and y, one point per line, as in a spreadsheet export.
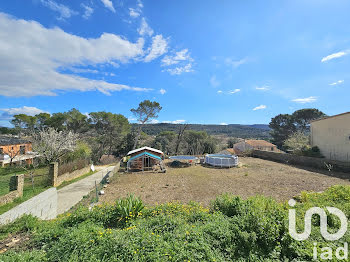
254	143
145	148
6	141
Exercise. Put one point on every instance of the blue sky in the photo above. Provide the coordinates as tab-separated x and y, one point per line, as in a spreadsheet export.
211	62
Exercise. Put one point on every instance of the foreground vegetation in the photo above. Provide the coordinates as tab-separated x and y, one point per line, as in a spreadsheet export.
231	230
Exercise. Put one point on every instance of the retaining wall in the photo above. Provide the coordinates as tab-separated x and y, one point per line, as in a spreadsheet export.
314	162
43	206
57	180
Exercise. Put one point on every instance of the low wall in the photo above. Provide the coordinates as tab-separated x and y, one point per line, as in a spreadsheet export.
16	189
72	175
43	206
314	162
57	180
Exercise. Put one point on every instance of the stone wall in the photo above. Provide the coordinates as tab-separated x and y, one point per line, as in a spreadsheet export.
43	206
57	180
314	162
16	189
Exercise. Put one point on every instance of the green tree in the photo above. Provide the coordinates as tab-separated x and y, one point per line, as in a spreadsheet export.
110	131
58	121
165	141
42	120
282	126
76	121
297	142
303	117
144	113
24	122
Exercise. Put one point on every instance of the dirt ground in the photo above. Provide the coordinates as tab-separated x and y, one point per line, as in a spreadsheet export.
203	184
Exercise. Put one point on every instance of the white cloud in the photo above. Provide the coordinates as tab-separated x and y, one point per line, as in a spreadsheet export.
214	82
30	56
223	124
175	122
305	100
337	83
145	29
262	88
234	91
88	11
179	70
235	63
159	47
153	121
182	55
335	55
8	113
64	11
108	4
259	107
134	13
28	110
219	92
162	91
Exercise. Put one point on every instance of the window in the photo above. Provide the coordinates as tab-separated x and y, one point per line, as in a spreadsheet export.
22	150
1	151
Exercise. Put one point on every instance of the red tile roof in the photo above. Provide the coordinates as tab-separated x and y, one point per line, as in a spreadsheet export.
261	143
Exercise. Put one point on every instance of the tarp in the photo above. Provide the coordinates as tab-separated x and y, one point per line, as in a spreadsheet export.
144	153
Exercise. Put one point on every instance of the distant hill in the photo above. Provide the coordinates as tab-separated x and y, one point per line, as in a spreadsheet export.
234	130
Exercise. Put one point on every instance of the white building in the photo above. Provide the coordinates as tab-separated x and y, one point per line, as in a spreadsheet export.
332	136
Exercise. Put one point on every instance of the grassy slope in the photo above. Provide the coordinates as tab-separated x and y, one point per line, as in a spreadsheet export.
232	230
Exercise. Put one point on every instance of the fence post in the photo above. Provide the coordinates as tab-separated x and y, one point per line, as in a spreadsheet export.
20	184
53	173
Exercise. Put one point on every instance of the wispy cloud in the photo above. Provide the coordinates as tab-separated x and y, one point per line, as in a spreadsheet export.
134	13
179	56
64	11
337	83
144	28
108	4
8	113
181	121
219	92
159	47
223	124
235	63
182	59
234	91
261	107
335	55
179	70
262	88
214	82
162	91
88	11
305	100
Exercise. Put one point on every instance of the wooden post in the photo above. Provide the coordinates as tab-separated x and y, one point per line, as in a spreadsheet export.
53	173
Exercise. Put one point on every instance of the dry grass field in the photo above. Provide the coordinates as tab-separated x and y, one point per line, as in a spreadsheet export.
202	184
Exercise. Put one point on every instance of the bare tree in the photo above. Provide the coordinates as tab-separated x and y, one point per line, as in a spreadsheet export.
12	153
180	137
52	144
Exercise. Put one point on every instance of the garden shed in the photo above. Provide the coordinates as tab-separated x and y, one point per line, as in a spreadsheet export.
145	159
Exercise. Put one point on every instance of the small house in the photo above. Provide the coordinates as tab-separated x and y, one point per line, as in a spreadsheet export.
15	150
145	159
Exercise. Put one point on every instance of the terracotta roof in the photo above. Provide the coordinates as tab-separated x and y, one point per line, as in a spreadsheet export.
256	143
327	117
145	148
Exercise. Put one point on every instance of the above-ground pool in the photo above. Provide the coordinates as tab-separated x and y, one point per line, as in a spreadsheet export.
187	158
221	160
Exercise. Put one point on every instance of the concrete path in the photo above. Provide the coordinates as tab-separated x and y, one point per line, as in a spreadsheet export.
70	195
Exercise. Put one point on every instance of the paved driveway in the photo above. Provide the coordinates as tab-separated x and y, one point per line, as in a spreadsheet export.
70	195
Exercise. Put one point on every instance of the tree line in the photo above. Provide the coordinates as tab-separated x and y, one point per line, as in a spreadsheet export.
107	133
